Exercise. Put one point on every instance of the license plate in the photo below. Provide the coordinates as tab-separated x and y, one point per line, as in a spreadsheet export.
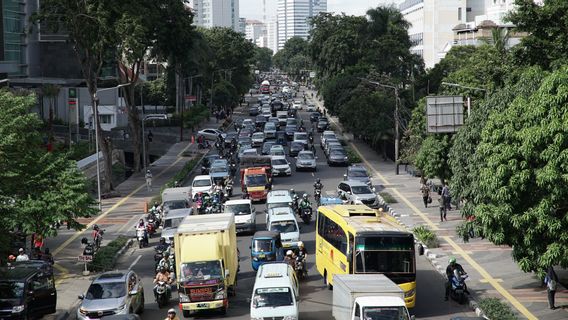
286	245
203	305
261	255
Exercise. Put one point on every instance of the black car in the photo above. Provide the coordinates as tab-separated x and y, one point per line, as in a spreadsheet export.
267	145
27	291
281	138
314	116
296	147
337	158
290	129
230	137
253	111
259	123
323	124
207	161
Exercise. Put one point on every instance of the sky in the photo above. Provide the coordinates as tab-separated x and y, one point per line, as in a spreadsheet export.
252	9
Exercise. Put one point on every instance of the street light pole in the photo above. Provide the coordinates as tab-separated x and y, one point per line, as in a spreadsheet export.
144	119
465	87
96	116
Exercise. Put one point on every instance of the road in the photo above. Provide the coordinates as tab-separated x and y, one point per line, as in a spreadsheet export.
316	299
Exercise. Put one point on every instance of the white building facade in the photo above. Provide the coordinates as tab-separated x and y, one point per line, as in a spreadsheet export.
272	34
216	13
293	18
254	29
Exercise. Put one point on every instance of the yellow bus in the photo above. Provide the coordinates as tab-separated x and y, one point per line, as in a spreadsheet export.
354	239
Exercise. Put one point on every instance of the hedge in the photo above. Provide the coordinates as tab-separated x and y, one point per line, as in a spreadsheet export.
426	235
496	310
353	156
104	258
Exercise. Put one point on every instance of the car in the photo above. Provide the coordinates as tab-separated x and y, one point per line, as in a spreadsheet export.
297	105
283	220
290	130
314	116
322	125
278	198
244	140
331	145
301	136
211	134
277	150
292	122
257	139
202	183
229	138
296	147
266	146
253	111
245	214
357	192
246	132
337	157
282	117
219	170
248	122
171	222
275	294
113	292
311	108
243	148
306	160
260	122
335	147
358	173
207	161
270	130
249	152
326	135
280	166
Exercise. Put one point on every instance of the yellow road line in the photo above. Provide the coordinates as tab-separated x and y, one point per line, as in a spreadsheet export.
485	275
116	205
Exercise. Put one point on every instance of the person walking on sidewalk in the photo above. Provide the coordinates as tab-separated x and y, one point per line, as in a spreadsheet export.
551	281
425	194
447	197
148	177
442	205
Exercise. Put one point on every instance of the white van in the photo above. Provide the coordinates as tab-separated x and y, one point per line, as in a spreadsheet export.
283	220
276	292
201	184
245	214
278	198
301	137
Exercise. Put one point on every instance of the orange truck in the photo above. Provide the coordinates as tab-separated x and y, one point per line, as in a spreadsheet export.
256	183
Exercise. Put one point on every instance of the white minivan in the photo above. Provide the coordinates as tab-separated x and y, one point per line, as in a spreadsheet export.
278	198
276	293
245	214
203	184
283	220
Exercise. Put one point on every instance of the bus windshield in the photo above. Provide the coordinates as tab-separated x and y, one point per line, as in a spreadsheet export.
256	180
384	254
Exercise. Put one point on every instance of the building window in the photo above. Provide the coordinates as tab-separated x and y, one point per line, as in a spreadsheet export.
459	14
105	118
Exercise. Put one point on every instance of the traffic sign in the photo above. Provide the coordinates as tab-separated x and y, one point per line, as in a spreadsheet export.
85	258
191	98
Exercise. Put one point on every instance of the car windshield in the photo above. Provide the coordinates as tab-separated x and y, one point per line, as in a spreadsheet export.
106	290
305	156
258	135
262	245
11	290
384	313
256	180
283	226
361	190
173	222
357	173
172	205
269	126
279	162
272	298
338	153
202	183
202	270
238	209
291	122
301	136
218	169
291	128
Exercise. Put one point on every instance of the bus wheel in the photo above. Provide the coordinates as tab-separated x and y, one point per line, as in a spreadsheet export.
329	286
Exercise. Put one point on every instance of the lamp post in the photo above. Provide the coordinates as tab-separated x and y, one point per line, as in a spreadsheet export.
144	119
396	121
96	116
465	87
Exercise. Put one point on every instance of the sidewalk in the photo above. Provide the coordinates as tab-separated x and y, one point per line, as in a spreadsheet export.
492	271
117	217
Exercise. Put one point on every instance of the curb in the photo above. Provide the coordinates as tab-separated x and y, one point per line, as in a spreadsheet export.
430	256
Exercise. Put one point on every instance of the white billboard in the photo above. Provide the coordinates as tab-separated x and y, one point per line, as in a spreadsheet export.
444	113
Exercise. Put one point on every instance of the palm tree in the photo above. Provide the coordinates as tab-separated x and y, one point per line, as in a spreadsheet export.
383	20
499	39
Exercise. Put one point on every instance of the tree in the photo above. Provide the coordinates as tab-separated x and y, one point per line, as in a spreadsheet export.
262	58
37	188
520	196
414	135
432	158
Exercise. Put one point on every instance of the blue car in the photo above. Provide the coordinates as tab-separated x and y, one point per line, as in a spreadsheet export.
266	246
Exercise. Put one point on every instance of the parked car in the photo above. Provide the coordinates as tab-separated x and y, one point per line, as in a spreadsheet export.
113	292
306	160
357	192
211	134
280	166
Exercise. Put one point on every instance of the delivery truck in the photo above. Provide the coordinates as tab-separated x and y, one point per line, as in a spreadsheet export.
176	198
367	296
207	262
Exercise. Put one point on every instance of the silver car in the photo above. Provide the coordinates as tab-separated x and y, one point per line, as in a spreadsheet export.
357	192
113	292
306	160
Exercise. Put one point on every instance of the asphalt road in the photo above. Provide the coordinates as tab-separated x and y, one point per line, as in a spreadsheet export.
315	298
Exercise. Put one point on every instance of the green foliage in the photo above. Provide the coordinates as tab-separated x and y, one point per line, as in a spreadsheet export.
196	115
427	237
352	156
262	58
388	197
293	57
225	94
495	309
432	159
37	188
104	259
180	177
414	135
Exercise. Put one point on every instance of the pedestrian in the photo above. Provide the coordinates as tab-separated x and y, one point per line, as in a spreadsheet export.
22	256
471	231
216	113
38	241
551	281
442	205
148	177
425	195
447	197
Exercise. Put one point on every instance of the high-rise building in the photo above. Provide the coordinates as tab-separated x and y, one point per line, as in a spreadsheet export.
254	29
216	13
293	18
272	34
242	25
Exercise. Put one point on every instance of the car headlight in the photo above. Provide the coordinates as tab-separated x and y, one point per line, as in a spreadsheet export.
82	311
249	220
220	294
255	258
409	293
345	158
17	309
183	298
290	318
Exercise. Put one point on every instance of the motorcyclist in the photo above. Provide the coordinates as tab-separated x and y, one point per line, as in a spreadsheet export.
318	185
155	209
453	265
290	259
97	235
162	246
305	203
302	252
165	261
142	226
162	275
172	315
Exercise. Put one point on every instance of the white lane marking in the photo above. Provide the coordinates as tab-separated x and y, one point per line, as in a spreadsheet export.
134	262
313	175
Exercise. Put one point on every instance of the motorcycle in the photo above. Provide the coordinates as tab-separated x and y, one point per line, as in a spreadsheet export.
216	202
233	169
163	294
98	239
229	189
151	226
89	247
301	270
306	214
317	196
141	236
458	289
203	145
158	256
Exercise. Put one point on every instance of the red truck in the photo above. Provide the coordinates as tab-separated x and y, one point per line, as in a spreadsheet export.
252	168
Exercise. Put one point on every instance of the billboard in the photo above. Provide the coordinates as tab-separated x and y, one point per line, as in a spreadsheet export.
444	113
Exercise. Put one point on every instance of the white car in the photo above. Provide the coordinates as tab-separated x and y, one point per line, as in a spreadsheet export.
280	166
283	220
311	108
211	134
277	150
328	134
306	160
250	152
245	214
301	136
257	139
297	105
202	183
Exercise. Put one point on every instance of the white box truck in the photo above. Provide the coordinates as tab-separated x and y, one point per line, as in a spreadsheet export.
366	296
176	198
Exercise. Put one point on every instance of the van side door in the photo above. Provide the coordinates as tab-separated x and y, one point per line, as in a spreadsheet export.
43	296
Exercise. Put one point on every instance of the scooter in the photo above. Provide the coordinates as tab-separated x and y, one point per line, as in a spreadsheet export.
306	214
151	226
203	145
317	196
301	271
229	189
141	236
163	294
89	247
459	289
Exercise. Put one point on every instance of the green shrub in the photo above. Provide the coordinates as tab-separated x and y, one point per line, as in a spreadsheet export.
104	258
426	235
495	309
353	156
388	197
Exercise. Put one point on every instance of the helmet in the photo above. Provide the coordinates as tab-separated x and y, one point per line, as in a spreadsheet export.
452	260
292	191
318	180
162	240
11	258
305	195
172	310
289	252
300	244
95	227
147	171
162	269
